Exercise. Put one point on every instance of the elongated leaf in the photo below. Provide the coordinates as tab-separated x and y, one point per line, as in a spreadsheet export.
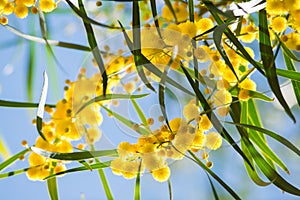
169	5
155	16
14	104
275	136
50	42
12	159
213	188
137	187
140	113
170	189
269	172
52	188
288	74
269	62
82	168
152	68
75	155
95	50
216	123
86	19
103	178
217	35
40	110
258	140
137	47
109	97
216	177
127	122
296	85
13	173
252	172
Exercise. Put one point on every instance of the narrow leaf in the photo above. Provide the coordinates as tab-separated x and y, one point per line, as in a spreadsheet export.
296	84
52	188
50	42
75	155
95	50
12	159
269	62
109	97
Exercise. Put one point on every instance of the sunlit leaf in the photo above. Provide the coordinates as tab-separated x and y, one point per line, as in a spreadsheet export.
269	62
75	155
52	188
12	159
94	46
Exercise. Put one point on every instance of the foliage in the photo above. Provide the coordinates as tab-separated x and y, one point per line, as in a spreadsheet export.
203	51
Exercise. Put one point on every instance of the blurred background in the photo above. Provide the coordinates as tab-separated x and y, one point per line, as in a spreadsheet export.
189	181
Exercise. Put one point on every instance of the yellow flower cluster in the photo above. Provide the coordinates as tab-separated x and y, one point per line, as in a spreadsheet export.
151	152
20	8
284	14
67	125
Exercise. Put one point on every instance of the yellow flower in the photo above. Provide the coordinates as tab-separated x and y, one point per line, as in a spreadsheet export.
248	84
204	24
47	5
180	10
162	174
21	11
243	95
213	140
205	123
191	111
276	7
222	98
248	33
279	24
188	28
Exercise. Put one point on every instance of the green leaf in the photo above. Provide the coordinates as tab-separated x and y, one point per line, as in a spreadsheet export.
216	177
155	16
288	74
82	168
217	35
259	141
12	159
269	62
13	173
213	187
95	50
140	113
14	104
52	188
137	48
296	84
137	187
86	19
275	136
50	42
75	155
191	10
269	172
110	97
128	122
252	172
